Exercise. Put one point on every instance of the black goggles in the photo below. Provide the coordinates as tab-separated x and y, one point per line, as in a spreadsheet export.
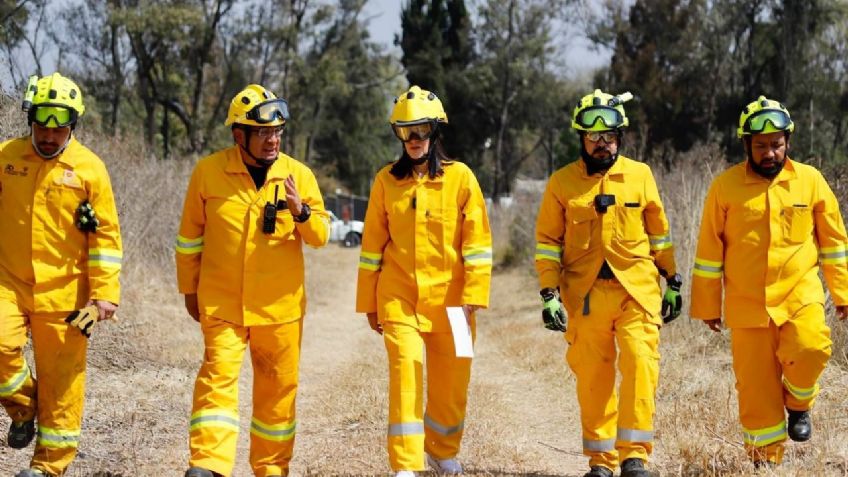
52	116
758	122
269	111
421	131
591	115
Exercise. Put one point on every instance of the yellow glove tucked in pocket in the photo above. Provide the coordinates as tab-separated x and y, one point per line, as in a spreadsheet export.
84	319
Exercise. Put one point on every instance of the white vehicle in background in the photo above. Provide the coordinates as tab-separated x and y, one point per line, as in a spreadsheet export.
348	233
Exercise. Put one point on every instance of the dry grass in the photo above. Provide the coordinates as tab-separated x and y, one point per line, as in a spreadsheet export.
523	418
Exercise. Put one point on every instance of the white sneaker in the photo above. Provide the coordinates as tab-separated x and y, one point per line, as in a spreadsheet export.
445	466
405	473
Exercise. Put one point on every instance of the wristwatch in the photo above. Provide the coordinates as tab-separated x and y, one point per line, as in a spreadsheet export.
305	213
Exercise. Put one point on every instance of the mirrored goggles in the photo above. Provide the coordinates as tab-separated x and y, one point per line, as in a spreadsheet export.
269	111
608	136
420	132
758	122
52	116
609	116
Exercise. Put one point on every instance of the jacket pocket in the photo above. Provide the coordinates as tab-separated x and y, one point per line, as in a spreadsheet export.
797	223
578	229
629	226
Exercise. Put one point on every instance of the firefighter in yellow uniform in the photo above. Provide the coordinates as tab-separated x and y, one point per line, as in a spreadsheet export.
248	210
426	246
602	243
60	251
769	225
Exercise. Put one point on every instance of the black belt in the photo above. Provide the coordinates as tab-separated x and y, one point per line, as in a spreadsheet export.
605	273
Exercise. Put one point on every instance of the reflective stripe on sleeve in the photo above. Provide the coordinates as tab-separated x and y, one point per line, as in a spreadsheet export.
14	383
478	256
370	261
214	418
441	429
707	268
548	252
276	433
765	436
659	242
834	255
189	246
104	258
58	438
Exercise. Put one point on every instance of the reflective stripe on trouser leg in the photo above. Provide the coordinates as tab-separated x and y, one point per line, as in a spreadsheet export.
404	346
638	340
214	423
803	350
447	394
591	356
17	387
275	353
59	352
760	390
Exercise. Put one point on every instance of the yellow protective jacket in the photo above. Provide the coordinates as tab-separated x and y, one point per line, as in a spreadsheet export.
763	241
240	274
49	263
426	246
573	239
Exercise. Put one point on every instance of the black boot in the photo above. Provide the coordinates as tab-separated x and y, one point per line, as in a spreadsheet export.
20	434
634	468
199	472
32	473
764	464
800	425
598	471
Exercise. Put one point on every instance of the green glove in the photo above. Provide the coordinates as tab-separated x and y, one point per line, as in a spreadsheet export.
84	319
553	315
86	217
672	303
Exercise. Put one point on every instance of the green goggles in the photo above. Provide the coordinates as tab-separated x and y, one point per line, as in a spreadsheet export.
759	122
49	116
611	117
269	111
421	132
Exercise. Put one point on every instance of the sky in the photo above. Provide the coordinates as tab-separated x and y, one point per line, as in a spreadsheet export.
384	23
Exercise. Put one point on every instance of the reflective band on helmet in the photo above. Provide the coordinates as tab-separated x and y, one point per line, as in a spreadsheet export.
611	117
269	111
759	121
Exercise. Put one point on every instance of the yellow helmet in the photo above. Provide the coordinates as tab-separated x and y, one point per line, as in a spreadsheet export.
600	111
416	113
53	101
257	106
764	116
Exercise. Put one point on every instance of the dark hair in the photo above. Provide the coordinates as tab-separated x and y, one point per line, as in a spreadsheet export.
437	156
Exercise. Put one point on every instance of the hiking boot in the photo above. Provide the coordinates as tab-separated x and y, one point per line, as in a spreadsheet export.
764	464
444	466
200	472
634	467
800	425
598	471
32	473
20	434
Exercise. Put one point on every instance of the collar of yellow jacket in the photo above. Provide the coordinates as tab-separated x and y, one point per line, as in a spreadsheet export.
619	168
279	169
414	176
786	174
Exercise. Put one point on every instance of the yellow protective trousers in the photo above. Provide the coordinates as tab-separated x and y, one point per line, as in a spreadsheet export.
412	431
60	353
614	429
778	367
214	427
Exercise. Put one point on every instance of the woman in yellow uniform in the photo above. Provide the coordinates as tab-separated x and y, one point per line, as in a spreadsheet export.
426	246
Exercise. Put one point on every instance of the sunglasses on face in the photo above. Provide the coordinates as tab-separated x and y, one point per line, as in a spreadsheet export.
53	116
610	117
269	111
758	122
414	131
608	136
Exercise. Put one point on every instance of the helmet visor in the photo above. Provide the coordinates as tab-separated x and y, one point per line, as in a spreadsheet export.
414	131
269	111
53	116
611	117
759	122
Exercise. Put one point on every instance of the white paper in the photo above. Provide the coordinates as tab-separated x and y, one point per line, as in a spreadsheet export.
461	332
